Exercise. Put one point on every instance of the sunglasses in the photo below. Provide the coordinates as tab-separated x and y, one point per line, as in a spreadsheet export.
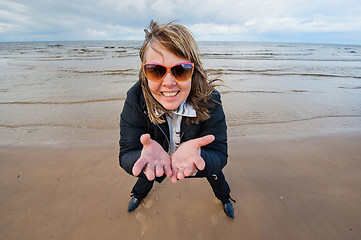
157	72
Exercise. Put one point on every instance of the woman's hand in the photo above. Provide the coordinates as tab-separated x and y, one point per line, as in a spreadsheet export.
153	158
187	158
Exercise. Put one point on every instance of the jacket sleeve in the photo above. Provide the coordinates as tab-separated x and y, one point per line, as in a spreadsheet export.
215	154
132	126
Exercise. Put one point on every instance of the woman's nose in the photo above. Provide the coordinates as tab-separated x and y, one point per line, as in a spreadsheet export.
169	79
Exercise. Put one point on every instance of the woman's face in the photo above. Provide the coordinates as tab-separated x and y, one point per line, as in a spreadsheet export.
168	92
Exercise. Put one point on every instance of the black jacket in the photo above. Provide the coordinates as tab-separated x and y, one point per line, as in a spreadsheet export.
134	122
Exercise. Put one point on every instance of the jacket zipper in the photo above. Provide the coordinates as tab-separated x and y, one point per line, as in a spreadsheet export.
166	137
182	134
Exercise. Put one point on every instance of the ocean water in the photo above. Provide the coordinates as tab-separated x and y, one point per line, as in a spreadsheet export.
270	88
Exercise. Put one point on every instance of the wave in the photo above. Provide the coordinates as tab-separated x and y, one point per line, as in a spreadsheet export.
218	54
261	91
53	59
312	75
216	71
293	120
71	102
108	72
280	57
59	125
55	45
274	72
257	54
248	91
350	87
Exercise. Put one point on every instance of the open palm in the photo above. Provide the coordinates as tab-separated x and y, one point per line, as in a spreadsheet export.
153	159
186	160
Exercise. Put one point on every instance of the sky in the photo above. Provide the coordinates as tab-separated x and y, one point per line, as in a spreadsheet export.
304	21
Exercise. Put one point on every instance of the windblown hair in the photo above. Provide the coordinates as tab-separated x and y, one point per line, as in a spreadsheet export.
178	40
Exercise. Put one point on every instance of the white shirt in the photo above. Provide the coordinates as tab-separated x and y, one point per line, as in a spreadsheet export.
174	123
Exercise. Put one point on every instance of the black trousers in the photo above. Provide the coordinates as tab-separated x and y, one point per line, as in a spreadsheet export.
217	181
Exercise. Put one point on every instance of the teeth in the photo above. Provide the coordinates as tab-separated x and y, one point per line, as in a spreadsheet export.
170	94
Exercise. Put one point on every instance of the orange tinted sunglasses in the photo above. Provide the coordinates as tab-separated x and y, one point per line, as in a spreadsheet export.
157	72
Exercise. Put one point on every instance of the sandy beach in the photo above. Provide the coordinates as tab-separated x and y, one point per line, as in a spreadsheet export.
294	127
289	187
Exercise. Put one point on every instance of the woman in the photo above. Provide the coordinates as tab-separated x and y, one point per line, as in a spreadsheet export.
173	123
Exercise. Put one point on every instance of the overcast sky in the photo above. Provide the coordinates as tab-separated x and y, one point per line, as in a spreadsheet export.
310	21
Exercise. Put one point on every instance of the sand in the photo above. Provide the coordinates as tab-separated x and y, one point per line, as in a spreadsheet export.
286	186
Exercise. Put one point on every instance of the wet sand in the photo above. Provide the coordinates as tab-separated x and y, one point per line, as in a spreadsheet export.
286	187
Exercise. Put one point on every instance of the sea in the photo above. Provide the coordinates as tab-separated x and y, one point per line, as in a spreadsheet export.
54	90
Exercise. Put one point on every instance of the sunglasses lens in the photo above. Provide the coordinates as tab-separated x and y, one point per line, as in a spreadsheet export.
154	72
182	72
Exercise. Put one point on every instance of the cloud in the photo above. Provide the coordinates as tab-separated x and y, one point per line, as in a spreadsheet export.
210	31
207	19
96	34
109	32
8	27
306	25
13	13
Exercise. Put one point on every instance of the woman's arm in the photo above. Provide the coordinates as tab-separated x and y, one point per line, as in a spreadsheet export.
132	126
215	154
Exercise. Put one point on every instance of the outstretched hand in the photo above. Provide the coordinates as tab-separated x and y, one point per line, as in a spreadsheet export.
187	158
153	159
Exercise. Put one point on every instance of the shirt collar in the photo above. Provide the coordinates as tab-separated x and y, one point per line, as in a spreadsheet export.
185	110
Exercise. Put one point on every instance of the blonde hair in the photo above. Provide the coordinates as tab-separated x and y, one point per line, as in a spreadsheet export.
178	40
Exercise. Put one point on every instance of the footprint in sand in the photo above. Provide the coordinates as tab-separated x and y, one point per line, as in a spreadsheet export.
148	203
214	219
143	224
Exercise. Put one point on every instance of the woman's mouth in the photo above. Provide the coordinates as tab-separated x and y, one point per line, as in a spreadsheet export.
169	94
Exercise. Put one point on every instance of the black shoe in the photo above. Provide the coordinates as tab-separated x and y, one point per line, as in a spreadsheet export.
133	204
228	209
